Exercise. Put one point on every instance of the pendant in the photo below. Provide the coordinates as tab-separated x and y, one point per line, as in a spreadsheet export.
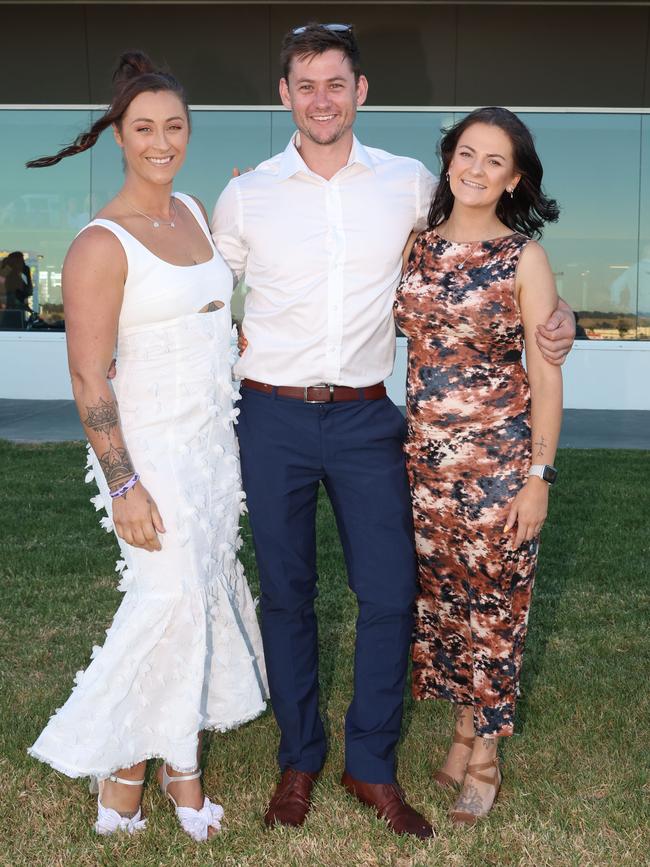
172	225
156	224
460	267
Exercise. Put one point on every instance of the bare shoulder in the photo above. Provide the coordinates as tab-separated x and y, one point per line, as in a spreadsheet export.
533	255
95	242
534	266
96	251
535	279
201	206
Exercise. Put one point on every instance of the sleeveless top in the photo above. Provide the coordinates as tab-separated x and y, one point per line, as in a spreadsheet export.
156	291
457	306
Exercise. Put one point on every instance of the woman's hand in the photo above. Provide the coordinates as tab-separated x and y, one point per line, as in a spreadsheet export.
528	510
137	519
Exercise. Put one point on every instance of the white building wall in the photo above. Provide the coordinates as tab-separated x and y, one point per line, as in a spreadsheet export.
597	374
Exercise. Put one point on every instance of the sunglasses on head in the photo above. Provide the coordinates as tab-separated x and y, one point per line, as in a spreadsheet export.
334	28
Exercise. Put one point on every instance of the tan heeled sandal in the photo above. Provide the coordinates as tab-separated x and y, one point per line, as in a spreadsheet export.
445	780
462	817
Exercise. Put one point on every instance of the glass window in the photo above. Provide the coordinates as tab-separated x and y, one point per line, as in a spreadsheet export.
643	266
40	212
220	140
596	165
411	133
592	167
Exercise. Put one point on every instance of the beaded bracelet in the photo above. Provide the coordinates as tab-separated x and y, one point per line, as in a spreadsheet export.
135	478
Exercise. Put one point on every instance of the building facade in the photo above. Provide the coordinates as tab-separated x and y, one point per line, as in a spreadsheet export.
577	73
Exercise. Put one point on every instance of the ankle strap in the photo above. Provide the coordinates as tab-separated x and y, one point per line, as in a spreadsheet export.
124	782
462	739
183	778
483	766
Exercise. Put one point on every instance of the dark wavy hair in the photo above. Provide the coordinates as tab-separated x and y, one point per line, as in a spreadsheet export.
135	74
529	208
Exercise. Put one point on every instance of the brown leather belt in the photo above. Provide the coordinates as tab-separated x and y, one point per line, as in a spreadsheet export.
319	393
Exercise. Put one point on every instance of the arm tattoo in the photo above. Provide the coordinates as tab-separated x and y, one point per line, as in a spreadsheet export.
541	445
102	417
116	466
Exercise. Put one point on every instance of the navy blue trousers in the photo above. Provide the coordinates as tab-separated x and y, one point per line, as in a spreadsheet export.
355	449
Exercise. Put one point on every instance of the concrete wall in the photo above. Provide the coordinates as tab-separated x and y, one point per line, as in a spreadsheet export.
438	53
600	375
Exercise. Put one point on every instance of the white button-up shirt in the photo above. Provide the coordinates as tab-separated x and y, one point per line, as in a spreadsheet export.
321	260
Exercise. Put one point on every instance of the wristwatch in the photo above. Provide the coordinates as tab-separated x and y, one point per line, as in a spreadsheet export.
544	471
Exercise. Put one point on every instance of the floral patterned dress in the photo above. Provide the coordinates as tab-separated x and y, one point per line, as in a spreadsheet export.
468	453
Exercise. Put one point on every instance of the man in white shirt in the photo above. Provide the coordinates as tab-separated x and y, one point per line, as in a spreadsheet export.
318	232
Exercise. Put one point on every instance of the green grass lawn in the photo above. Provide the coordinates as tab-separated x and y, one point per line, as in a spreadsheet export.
576	788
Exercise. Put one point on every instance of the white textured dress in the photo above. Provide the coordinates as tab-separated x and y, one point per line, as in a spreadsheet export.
184	651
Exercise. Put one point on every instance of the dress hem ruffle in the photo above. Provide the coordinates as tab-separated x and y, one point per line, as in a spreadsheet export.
77	773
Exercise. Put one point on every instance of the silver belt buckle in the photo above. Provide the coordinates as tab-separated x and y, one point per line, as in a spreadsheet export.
319	385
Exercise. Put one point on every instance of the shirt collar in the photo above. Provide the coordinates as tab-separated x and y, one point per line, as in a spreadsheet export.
291	162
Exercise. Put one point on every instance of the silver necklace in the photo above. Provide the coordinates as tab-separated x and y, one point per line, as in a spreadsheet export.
156	223
461	265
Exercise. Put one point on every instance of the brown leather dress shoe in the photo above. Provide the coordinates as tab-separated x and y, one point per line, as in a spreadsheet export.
390	803
291	800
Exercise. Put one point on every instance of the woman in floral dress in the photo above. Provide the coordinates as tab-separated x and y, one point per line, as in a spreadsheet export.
482	434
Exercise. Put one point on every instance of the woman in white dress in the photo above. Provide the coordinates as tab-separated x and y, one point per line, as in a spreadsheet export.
184	651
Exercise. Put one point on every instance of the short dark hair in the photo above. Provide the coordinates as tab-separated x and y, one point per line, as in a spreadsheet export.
529	209
315	38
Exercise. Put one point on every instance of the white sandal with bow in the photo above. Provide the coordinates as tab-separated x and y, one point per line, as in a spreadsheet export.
109	820
194	822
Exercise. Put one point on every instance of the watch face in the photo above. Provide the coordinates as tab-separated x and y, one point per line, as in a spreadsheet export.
549	474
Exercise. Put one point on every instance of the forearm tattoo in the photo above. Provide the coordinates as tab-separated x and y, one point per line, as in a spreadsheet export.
103	420
116	466
541	445
102	417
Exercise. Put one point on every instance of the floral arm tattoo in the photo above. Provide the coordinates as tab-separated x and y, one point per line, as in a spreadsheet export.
102	423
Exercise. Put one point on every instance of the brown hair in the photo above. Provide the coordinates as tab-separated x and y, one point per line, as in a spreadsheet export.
525	211
315	38
135	74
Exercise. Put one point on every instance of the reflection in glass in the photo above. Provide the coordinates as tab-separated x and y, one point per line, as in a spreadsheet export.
592	166
41	210
643	285
597	165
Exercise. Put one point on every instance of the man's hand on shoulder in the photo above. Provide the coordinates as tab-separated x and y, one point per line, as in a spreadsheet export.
237	172
555	338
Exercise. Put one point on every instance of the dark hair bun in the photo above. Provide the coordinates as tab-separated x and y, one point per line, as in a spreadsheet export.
130	65
135	74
